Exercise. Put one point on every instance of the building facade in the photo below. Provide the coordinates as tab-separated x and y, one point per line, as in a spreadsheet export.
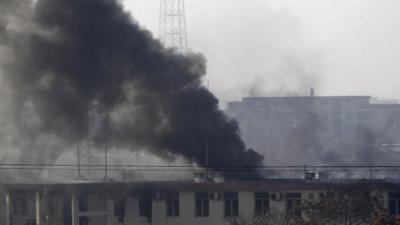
166	203
318	129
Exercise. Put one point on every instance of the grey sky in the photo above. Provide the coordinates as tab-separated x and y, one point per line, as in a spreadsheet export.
259	47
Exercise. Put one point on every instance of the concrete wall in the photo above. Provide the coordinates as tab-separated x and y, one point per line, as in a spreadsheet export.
132	212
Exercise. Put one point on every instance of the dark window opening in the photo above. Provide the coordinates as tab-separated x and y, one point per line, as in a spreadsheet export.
30	222
202	204
294	204
231	203
172	201
394	204
20	206
119	210
53	207
261	203
83	203
145	206
83	220
67	213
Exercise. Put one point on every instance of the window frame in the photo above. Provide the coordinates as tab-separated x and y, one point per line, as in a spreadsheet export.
293	204
394	197
264	199
231	204
145	205
120	209
20	205
172	204
202	204
83	203
53	207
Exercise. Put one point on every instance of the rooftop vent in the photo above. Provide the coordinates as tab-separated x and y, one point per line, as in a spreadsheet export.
208	177
316	175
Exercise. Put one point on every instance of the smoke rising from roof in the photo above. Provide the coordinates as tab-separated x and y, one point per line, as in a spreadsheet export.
86	71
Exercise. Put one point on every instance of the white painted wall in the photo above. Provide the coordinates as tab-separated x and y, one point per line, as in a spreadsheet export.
103	203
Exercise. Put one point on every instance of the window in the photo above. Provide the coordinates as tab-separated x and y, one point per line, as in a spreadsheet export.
394	204
145	206
53	206
349	116
261	203
20	206
83	203
83	220
202	204
294	204
99	202
172	204
119	209
231	204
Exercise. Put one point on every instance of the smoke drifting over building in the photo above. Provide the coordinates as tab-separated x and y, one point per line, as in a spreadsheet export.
315	130
85	71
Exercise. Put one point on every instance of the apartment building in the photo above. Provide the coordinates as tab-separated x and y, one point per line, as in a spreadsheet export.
315	129
167	203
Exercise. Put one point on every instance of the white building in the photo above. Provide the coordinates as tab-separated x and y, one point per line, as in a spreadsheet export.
165	203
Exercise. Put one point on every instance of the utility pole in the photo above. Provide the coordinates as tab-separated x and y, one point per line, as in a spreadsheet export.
106	159
207	135
106	133
173	25
78	159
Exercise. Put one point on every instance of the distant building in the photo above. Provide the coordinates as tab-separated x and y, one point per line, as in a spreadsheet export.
163	203
314	129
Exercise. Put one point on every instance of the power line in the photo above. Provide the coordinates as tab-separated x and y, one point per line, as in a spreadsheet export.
211	166
185	168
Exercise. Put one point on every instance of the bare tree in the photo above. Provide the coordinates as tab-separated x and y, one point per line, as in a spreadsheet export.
348	205
269	219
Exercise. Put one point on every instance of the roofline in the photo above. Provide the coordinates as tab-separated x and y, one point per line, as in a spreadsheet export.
148	186
384	105
308	97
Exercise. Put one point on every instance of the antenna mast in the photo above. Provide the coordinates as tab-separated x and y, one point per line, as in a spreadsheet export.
173	25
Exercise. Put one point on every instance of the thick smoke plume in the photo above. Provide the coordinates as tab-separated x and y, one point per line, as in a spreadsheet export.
84	70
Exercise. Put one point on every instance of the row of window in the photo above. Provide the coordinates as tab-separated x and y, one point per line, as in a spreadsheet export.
261	207
202	204
231	204
358	115
292	102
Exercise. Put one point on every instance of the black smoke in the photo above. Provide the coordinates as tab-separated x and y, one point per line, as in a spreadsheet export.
87	71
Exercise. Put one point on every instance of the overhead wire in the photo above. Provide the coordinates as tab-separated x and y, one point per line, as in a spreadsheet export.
225	168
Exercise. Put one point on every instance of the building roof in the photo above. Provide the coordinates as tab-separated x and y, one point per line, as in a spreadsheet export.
148	186
304	97
384	105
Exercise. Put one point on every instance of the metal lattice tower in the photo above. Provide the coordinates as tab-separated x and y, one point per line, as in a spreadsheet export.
173	25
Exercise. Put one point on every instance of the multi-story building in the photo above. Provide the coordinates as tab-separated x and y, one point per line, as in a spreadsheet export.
318	129
164	203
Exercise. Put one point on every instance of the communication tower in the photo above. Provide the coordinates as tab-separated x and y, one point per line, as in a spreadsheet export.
173	25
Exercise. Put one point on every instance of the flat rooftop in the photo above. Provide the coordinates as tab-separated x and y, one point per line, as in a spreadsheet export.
256	185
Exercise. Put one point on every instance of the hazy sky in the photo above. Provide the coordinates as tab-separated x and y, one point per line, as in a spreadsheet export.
260	47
